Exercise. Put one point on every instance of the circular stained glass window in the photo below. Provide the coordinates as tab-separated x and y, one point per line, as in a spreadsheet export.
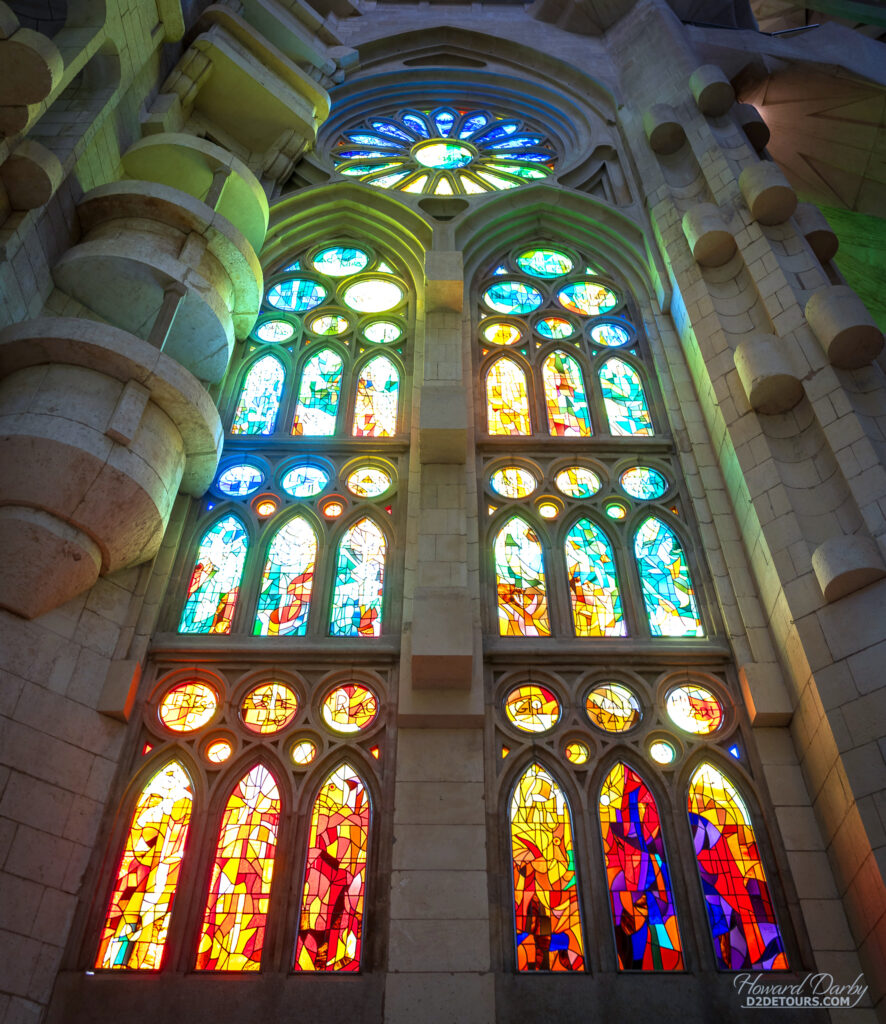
532	708
544	262
238	481
694	709
615	510
643	483
340	260
303	752
187	706
218	751
381	332
297	295
610	335
350	708
613	707
329	324
268	708
577	752
498	333
662	751
577	482
373	295
587	298
368	482
548	510
277	331
443	155
555	328
304	481
512	297
513	482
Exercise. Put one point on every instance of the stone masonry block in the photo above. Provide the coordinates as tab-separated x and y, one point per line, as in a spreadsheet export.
770	198
442	639
765	694
444	273
121	685
818	233
845	564
767	375
443	422
663	129
711	242
755	128
845	329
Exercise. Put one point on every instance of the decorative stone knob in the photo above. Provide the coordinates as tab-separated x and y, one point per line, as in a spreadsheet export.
712	90
770	198
817	232
753	124
766	374
845	329
663	130
845	564
711	242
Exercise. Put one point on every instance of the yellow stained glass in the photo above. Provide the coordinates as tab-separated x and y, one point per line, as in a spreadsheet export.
613	707
187	706
507	401
532	708
350	708
269	708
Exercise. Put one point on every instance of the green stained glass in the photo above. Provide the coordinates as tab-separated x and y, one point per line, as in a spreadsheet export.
512	297
444	155
587	298
359	170
256	411
520	581
624	399
609	335
577	482
555	327
667	586
297	295
329	324
530	173
373	295
544	262
375	405
593	583
643	483
496	181
304	480
565	397
388	180
284	598
215	581
274	331
359	582
340	260
381	332
319	392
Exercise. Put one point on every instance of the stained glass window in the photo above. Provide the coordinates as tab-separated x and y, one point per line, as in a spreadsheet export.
318	395
643	915
736	894
624	399
695	709
613	707
507	401
565	397
520	575
350	708
378	389
546	906
284	598
239	481
368	482
513	482
664	576
256	411
268	708
233	932
643	483
137	921
187	706
215	581
593	582
359	581
532	708
330	934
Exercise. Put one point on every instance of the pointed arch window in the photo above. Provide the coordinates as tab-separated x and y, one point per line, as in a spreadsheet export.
546	901
565	396
319	392
668	592
259	400
507	399
215	581
358	590
643	915
520	575
284	598
740	910
624	398
593	582
233	931
376	401
330	934
137	921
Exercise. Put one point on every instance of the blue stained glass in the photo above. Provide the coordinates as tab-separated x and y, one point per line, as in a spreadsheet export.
357	154
284	598
359	581
664	576
624	399
473	124
296	295
386	128
238	481
417	124
512	297
386	180
318	395
517	142
368	139
500	131
357	170
444	120
541	158
256	411
304	480
340	260
215	581
643	482
609	334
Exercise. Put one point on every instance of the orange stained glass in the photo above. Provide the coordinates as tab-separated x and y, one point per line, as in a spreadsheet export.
187	706
350	708
613	707
218	751
140	907
532	708
269	707
233	930
507	400
330	934
546	905
577	752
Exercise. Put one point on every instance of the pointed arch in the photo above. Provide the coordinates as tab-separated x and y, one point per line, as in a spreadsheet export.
566	399
668	593
319	394
235	920
624	399
744	928
284	598
507	399
593	582
546	902
215	581
643	914
330	933
259	400
140	908
358	587
520	580
377	399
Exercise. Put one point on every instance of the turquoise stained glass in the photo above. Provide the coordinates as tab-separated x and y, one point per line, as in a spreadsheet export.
555	328
512	297
304	480
624	399
284	598
319	392
215	581
375	406
296	295
340	260
668	593
358	589
256	411
239	481
565	397
593	583
609	334
643	482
